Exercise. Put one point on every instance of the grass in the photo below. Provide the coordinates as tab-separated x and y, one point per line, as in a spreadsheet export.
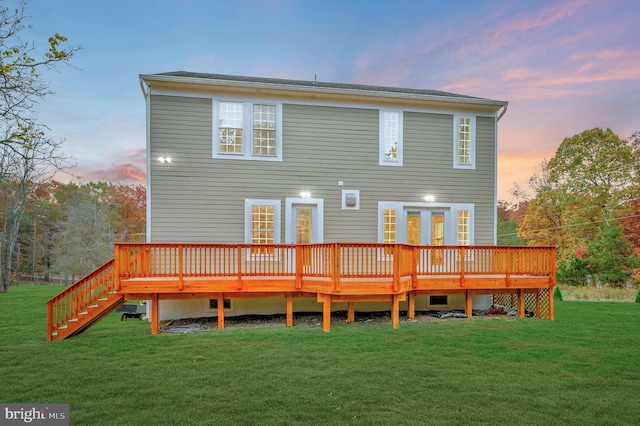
609	294
579	369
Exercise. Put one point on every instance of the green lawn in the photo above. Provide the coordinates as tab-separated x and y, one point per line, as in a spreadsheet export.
580	369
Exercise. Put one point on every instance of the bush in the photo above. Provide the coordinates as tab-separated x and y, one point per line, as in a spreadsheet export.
557	294
638	296
573	272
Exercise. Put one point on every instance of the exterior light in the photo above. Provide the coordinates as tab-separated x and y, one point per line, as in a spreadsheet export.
164	159
430	198
305	194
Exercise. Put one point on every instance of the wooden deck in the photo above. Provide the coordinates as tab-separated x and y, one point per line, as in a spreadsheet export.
331	272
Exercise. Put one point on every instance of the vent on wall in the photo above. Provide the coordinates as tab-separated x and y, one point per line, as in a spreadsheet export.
350	199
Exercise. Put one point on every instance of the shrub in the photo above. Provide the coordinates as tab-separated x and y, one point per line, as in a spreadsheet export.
638	296
557	294
573	272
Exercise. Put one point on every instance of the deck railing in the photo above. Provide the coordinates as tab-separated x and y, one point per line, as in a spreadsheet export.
330	260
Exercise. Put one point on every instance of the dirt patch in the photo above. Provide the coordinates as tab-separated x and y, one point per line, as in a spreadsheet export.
303	319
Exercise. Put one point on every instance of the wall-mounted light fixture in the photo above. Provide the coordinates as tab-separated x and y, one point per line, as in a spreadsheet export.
305	194
429	198
164	159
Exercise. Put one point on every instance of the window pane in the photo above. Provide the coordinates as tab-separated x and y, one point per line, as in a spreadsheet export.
262	227
389	225
264	130
391	135
464	140
463	227
231	119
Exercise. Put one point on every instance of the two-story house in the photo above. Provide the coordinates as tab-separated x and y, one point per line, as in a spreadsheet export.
262	160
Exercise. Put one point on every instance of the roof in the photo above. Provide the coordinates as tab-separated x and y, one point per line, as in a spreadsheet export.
317	86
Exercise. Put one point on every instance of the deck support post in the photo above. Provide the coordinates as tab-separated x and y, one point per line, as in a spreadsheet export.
351	312
289	310
521	302
468	303
411	305
395	311
220	311
155	305
551	309
538	303
326	313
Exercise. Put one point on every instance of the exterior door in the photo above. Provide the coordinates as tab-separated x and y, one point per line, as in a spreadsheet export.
304	224
304	221
427	227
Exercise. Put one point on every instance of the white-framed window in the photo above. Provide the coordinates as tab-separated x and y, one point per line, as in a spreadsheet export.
389	224
390	150
464	227
262	224
247	130
464	141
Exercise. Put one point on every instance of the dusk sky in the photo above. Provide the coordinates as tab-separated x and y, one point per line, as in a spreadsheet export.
564	66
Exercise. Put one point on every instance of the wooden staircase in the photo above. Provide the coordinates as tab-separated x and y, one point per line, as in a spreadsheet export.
83	304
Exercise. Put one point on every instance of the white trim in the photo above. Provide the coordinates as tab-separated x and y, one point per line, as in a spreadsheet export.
247	129
450	211
356	192
456	141
318	220
381	129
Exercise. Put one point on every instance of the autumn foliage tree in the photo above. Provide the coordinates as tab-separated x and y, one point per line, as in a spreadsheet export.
26	153
583	196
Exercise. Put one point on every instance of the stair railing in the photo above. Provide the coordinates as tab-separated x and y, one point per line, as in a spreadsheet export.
78	297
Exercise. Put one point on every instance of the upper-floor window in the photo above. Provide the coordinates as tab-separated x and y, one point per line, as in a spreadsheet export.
230	127
247	130
390	138
464	146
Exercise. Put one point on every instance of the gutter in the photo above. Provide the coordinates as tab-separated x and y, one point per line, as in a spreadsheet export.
314	88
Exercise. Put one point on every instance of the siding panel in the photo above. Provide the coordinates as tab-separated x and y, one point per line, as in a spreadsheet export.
198	198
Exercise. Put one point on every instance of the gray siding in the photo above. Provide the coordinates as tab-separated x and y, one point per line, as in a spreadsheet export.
201	199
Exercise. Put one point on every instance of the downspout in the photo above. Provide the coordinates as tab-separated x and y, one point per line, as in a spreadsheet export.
495	176
504	109
146	90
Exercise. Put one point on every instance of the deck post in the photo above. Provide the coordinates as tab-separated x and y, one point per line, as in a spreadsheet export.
538	303
468	303
336	267
155	304
289	310
521	302
551	307
49	321
116	267
180	267
220	311
411	305
395	310
326	313
351	312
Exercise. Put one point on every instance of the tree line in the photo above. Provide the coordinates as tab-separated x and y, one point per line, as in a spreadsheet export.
585	201
67	228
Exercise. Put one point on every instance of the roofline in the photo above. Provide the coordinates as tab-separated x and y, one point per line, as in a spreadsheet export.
319	87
